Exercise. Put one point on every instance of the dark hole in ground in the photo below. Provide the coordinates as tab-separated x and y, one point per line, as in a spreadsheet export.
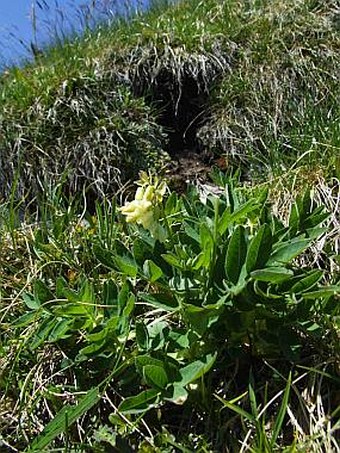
182	110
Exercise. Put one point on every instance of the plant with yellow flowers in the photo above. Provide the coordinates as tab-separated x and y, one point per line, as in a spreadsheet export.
145	208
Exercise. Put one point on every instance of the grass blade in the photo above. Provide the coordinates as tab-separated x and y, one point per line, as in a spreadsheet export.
64	418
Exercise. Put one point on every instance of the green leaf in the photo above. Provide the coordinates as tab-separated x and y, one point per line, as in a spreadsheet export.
87	294
72	310
92	348
172	259
139	403
237	409
25	319
307	282
201	318
259	249
142	361
64	419
178	395
152	271
236	254
110	295
282	412
170	205
191	232
195	370
61	327
123	297
287	251
31	302
316	232
155	376
228	218
165	301
323	292
142	335
130	305
42	333
272	274
105	257
42	293
206	239
141	250
127	265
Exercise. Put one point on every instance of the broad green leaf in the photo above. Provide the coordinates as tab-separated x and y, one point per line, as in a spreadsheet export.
287	251
93	348
127	265
195	370
105	257
200	260
236	254
253	405
139	403
178	395
229	218
72	310
191	232
315	219
64	420
142	335
42	293
130	305
259	249
31	302
165	301
158	334
206	238
123	297
98	335
155	376
87	292
307	282
171	259
41	335
324	291
26	319
171	203
61	285
142	361
152	271
272	274
316	232
141	250
300	211
61	327
201	318
110	295
207	246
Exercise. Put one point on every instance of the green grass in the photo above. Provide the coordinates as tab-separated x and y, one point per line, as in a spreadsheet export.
216	327
256	82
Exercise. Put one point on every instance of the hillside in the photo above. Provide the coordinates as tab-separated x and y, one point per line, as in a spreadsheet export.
183	321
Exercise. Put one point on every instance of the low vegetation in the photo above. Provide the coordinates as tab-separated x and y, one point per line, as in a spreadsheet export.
155	321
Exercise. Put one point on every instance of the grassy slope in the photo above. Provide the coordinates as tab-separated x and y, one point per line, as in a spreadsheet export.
256	82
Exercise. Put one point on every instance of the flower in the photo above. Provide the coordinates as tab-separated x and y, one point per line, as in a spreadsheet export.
143	209
138	211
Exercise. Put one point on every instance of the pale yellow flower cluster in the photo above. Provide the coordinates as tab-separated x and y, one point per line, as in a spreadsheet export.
143	209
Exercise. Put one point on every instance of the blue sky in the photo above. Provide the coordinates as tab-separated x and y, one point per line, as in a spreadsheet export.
17	24
52	16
